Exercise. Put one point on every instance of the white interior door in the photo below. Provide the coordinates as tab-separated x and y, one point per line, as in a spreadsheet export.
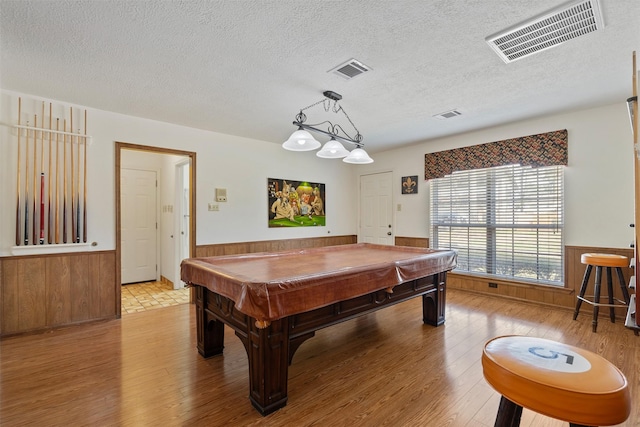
376	209
138	225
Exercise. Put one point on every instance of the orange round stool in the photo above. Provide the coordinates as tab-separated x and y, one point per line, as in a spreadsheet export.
598	261
556	380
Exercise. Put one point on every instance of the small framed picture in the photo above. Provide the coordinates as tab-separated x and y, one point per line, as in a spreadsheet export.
410	184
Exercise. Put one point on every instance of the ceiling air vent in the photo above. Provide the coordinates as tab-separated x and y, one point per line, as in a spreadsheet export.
350	69
448	114
547	30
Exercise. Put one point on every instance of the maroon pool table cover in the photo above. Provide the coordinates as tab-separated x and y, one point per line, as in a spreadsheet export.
272	285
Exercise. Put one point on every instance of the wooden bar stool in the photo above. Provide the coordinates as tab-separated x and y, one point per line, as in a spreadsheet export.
556	380
598	261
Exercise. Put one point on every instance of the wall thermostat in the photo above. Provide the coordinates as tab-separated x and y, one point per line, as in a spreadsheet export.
221	194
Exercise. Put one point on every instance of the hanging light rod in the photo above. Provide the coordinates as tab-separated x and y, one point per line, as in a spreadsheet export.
332	130
301	140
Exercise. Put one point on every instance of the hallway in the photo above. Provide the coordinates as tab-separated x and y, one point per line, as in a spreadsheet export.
146	296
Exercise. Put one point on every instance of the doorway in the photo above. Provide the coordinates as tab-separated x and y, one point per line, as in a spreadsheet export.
177	247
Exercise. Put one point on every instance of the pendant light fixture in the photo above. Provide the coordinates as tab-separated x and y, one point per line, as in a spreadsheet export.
333	150
358	156
302	140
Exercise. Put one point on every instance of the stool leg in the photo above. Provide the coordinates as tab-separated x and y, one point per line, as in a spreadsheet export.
509	414
623	285
596	298
612	312
583	288
578	425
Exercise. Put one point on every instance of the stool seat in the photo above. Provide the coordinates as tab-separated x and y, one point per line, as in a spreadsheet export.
557	380
605	260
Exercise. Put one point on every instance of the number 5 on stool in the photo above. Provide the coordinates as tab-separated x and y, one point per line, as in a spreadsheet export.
556	380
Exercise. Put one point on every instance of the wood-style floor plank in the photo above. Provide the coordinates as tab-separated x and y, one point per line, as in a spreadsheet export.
383	369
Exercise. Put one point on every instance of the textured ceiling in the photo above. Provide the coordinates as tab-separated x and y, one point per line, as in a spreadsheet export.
246	67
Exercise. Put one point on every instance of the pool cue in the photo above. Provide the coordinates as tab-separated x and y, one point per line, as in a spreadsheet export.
50	216
64	185
78	193
42	179
26	189
57	196
84	186
34	238
73	172
42	208
18	224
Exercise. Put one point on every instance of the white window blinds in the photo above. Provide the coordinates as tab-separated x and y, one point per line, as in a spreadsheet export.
503	221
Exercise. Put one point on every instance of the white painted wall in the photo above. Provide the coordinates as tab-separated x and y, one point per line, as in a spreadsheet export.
599	189
598	180
240	165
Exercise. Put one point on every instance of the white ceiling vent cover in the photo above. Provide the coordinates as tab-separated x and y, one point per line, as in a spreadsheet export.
350	69
547	30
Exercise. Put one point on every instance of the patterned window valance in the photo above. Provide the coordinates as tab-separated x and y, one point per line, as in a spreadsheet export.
544	149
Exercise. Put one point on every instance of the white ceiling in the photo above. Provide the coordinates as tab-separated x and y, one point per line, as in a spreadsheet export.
246	67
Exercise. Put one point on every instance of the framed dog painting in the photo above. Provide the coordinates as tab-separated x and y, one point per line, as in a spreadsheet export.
295	203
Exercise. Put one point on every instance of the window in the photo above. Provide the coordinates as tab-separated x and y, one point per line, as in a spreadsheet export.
505	221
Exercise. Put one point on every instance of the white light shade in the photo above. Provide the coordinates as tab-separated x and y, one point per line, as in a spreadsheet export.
301	140
358	156
332	150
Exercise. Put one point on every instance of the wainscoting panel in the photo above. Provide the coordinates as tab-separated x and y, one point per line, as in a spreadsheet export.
271	245
551	295
45	291
58	291
418	242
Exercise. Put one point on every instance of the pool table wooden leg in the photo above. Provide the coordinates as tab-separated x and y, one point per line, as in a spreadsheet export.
433	303
210	330
268	352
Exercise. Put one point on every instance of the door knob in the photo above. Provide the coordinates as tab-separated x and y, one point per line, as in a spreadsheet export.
389	233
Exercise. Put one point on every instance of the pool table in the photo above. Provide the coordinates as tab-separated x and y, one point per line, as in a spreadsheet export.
275	301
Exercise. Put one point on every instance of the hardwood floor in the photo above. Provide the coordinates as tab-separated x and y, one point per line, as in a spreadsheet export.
383	369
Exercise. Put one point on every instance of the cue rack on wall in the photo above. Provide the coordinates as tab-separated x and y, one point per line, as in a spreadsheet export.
51	177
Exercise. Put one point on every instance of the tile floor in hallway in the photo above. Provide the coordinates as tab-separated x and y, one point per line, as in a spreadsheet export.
138	297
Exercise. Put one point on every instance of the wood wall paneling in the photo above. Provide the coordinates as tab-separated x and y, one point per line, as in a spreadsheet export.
552	295
47	291
10	297
1	293
418	242
95	292
271	245
107	301
80	288
32	302
58	289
